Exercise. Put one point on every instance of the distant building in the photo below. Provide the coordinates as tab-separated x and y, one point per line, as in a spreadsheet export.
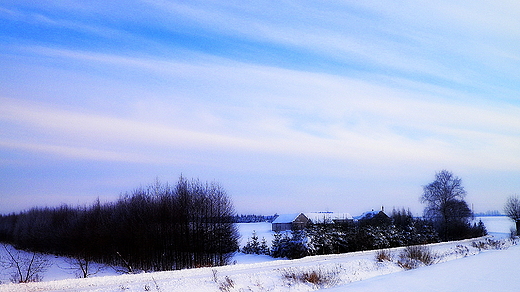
302	220
329	217
375	218
290	222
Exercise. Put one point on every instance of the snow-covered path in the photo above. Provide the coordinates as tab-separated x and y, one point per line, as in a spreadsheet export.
488	271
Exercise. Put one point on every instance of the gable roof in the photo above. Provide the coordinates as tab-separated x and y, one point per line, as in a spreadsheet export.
371	214
315	217
327	217
286	218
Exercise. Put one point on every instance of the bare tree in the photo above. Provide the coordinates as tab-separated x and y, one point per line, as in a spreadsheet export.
26	267
445	204
83	266
512	210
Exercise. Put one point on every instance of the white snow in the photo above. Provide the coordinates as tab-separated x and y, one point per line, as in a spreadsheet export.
286	218
473	270
489	271
262	230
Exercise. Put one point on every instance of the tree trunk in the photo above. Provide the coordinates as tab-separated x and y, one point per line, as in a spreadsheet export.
517	227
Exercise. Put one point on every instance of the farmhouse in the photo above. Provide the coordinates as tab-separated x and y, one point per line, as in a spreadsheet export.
374	214
302	220
329	217
290	222
375	217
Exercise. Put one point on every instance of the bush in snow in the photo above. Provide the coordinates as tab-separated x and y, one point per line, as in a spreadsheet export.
488	244
264	248
413	256
226	285
383	255
277	243
319	277
254	247
293	246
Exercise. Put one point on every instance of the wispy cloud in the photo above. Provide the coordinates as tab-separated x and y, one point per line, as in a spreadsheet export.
81	153
319	93
359	121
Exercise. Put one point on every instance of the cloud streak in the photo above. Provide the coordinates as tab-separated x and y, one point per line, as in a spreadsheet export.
357	117
305	96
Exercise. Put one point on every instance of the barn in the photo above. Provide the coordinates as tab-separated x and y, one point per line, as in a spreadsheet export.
329	217
302	220
290	222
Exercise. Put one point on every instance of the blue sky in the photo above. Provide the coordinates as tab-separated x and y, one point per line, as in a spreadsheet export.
290	105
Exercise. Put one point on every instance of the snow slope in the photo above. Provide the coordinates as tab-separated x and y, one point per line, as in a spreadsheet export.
348	269
489	271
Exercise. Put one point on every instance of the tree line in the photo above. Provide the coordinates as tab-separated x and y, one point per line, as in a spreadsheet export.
252	218
155	228
367	233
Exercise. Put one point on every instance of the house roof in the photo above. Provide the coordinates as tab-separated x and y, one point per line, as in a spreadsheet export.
286	218
315	217
370	214
327	217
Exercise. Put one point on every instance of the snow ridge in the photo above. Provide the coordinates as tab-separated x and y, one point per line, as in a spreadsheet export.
266	276
349	270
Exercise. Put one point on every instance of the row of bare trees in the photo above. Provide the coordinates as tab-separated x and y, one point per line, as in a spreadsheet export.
159	227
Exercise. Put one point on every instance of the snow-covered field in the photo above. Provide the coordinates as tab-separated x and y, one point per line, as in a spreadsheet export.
474	270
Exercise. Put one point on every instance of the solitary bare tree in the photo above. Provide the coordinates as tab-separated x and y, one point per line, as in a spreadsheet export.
512	210
445	204
83	266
